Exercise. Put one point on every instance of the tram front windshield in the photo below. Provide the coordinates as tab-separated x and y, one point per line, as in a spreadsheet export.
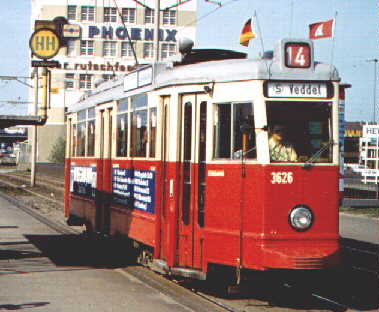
300	131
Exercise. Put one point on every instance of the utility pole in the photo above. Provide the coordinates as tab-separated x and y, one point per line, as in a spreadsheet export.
375	61
34	132
43	114
156	30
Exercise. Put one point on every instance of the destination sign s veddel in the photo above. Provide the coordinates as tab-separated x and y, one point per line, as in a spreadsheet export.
297	89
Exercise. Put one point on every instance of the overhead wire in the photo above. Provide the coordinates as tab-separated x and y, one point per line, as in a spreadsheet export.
220	6
176	4
126	32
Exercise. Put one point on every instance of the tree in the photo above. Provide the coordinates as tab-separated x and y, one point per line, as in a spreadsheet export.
58	151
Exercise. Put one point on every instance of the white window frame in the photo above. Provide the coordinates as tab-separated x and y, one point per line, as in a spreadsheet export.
109	48
71	12
87	47
107	77
149	16
110	15
128	15
87	14
127	49
69	81
169	17
85	81
167	49
148	50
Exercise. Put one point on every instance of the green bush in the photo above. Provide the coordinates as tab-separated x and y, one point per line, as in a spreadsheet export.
58	150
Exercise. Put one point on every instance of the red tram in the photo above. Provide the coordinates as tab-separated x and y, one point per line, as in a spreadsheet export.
180	158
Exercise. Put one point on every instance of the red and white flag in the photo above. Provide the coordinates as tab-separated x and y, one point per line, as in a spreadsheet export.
322	29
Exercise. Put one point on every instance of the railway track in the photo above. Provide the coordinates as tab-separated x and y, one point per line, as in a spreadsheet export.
48	189
264	295
24	177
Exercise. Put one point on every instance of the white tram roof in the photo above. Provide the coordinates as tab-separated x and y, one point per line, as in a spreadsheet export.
231	66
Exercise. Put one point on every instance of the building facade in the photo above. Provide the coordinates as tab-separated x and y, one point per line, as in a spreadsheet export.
109	32
369	153
353	132
362	149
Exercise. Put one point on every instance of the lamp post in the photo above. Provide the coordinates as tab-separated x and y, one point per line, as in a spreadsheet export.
375	61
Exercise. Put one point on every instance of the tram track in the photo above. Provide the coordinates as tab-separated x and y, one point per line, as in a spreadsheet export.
247	303
250	303
52	183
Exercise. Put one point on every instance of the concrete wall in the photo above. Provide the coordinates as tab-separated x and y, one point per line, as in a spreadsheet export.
47	137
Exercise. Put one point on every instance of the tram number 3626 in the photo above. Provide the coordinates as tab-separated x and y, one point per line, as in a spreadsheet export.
282	177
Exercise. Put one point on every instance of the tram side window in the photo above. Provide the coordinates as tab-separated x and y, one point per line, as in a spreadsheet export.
299	131
137	122
74	141
91	138
81	139
122	128
91	133
84	133
153	130
138	126
122	135
234	131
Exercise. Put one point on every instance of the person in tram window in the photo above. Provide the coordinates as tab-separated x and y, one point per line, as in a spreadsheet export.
280	150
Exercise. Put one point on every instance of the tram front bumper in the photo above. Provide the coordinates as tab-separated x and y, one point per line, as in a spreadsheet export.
300	257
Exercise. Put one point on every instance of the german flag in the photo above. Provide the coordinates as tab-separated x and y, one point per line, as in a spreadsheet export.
246	34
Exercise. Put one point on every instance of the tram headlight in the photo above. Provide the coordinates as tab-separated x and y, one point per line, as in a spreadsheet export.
301	218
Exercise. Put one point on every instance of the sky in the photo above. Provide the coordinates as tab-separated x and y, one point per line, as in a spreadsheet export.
14	54
356	41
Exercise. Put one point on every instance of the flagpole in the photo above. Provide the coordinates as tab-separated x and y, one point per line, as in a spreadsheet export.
333	35
291	21
261	39
259	30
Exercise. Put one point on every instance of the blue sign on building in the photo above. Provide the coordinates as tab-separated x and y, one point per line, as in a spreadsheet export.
108	32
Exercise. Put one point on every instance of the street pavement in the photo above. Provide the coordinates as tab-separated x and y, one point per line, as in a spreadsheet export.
360	228
30	279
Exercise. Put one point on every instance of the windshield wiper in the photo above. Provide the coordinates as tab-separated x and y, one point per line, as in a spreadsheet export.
317	155
239	154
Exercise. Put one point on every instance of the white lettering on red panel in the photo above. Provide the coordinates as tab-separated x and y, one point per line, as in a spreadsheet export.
298	55
282	177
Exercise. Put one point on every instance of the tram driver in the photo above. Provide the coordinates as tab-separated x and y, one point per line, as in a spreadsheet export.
280	149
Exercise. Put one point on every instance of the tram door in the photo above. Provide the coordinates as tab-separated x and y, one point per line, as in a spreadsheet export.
192	179
103	198
164	224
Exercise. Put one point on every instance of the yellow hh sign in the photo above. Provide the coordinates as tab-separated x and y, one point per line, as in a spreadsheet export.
44	43
353	133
